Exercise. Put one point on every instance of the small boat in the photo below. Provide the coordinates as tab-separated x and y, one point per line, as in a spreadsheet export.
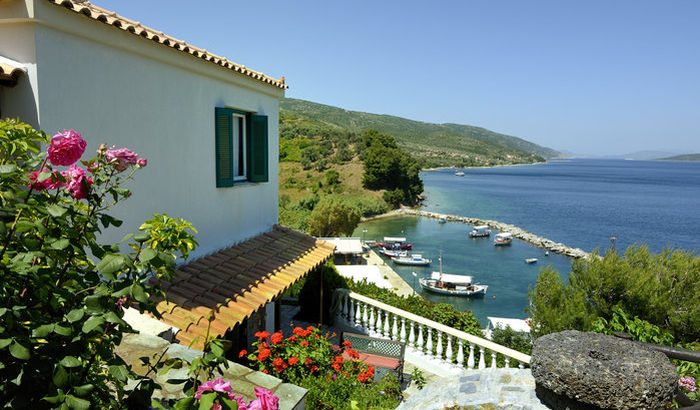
481	231
452	285
413	260
459	174
393	253
518	325
442	220
531	260
503	239
395	243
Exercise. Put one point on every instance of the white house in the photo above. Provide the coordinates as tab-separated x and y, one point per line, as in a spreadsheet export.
208	127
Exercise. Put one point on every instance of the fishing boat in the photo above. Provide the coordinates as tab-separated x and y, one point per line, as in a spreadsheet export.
480	231
531	260
393	253
452	285
459	173
503	239
395	243
413	260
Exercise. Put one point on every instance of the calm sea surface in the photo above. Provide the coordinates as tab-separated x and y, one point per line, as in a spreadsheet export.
580	203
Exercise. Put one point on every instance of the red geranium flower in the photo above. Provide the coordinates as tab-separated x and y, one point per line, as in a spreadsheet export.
308	361
298	331
339	359
242	353
347	344
293	360
304	343
262	335
353	354
264	354
276	337
278	362
292	339
336	367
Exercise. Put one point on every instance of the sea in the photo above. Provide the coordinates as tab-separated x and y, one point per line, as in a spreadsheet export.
592	204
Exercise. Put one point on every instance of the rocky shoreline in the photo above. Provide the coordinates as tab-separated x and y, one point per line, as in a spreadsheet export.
503	227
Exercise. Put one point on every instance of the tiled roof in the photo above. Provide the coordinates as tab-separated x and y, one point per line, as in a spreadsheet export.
237	281
134	27
9	71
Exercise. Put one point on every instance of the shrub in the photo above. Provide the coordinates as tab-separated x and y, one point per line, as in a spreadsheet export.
310	291
332	217
307	358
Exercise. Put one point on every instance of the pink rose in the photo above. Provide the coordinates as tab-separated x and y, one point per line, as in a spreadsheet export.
48	183
121	158
78	183
142	162
66	148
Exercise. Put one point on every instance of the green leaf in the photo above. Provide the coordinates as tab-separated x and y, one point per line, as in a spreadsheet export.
2	310
62	330
75	315
206	401
119	372
43	330
111	263
92	323
60	376
4	343
70	361
184	404
138	293
112	317
24	226
43	176
7	168
141	237
147	254
76	403
84	389
19	351
61	244
94	304
59	398
228	404
56	211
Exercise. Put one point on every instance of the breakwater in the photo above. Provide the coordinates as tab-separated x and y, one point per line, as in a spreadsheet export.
518	233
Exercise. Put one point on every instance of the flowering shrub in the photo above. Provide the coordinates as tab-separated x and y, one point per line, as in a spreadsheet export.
62	291
218	395
307	358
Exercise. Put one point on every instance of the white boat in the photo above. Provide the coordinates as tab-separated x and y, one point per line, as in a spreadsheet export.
531	260
452	285
393	253
414	260
459	173
442	220
503	239
480	231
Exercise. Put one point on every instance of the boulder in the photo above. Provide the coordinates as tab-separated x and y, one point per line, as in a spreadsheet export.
577	370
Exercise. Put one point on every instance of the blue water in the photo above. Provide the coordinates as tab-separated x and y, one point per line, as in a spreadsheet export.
580	203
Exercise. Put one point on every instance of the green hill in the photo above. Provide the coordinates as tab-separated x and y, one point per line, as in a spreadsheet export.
685	157
436	144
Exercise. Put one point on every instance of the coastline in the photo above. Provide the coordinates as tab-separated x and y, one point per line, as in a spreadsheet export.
518	233
488	166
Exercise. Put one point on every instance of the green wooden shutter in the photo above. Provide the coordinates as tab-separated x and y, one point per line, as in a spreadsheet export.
224	147
257	153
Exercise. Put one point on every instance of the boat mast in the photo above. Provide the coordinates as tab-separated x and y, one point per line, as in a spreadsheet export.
440	266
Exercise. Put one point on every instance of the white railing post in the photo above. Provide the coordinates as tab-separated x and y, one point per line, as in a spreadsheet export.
470	361
507	360
493	360
387	324
411	336
351	310
482	361
448	354
378	328
402	334
420	343
460	353
365	317
438	349
429	345
395	328
520	365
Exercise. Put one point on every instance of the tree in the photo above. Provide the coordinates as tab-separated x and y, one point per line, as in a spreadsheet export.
659	288
333	217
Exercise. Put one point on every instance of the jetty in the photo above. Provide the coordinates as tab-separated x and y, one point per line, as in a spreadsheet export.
518	233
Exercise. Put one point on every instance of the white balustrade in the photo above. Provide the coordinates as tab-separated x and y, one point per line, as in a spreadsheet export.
360	310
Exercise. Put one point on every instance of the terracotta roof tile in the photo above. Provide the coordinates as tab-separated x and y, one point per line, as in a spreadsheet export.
236	282
113	19
10	71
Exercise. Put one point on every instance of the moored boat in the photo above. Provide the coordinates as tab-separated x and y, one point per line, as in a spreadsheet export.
395	243
452	285
480	231
459	173
413	260
503	239
531	260
393	253
442	220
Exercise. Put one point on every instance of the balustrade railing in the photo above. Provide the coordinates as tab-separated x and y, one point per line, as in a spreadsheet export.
432	339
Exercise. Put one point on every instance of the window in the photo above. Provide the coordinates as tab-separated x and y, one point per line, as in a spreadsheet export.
241	147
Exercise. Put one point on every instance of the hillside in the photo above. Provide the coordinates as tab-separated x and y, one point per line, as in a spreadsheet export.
686	157
436	144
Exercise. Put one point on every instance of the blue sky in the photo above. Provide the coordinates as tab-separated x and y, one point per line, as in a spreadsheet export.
595	76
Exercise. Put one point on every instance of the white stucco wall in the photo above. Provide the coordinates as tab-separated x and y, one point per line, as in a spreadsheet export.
123	90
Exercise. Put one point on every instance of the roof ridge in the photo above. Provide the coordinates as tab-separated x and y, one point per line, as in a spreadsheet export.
102	15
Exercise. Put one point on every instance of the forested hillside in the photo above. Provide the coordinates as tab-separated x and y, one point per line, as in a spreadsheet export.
436	144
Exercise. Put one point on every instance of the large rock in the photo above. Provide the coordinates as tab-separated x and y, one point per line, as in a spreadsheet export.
575	370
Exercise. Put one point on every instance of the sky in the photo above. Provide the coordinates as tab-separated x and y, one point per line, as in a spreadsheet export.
589	77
